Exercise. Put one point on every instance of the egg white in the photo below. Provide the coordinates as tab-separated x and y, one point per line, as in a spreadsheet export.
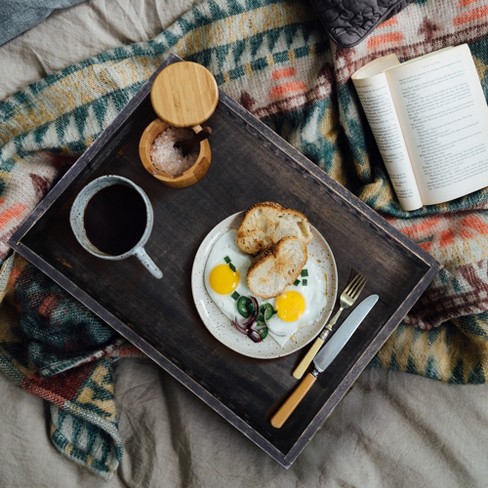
313	292
226	246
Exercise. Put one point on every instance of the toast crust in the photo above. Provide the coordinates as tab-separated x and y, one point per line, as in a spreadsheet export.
266	223
277	267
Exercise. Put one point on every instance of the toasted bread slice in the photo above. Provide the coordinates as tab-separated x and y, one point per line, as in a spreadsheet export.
277	267
264	224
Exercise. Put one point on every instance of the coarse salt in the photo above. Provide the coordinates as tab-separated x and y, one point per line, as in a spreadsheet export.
169	159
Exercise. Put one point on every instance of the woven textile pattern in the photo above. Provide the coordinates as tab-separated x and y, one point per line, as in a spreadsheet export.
273	57
348	23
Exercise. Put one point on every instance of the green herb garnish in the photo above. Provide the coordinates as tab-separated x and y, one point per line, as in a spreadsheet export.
229	262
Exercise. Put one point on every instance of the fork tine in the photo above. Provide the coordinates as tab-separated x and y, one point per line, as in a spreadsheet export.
358	287
352	283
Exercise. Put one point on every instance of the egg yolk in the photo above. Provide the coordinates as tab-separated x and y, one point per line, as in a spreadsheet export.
223	280
290	306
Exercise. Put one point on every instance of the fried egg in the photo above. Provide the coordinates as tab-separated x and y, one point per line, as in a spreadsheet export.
300	304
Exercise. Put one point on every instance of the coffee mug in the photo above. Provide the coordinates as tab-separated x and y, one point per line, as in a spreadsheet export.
112	218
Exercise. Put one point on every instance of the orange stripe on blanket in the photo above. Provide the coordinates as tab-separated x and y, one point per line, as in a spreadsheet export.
389	22
467	234
426	246
283	73
475	223
376	41
474	14
289	87
464	3
447	237
421	228
11	213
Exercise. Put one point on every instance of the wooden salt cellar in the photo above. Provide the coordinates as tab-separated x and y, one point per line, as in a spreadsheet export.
184	94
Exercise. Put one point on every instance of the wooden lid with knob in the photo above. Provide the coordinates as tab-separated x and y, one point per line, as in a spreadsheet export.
184	94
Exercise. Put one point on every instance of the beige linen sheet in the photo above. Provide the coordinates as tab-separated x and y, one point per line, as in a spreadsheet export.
391	430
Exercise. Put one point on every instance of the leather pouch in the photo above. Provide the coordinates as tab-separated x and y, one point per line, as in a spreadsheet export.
348	22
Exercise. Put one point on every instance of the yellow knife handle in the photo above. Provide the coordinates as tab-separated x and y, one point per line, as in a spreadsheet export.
308	358
281	416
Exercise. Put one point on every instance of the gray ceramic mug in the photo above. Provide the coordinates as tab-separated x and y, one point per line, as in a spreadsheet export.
80	218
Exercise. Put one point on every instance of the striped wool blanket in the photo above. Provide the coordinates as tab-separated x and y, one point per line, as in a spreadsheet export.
274	58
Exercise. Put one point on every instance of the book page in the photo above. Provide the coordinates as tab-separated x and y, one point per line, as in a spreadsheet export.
377	103
444	117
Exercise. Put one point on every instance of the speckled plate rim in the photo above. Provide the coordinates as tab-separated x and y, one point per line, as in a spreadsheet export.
219	325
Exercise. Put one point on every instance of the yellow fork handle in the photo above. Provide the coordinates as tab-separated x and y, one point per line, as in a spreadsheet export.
308	358
281	416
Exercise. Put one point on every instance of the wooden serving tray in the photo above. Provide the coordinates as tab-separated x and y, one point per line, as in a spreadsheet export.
250	163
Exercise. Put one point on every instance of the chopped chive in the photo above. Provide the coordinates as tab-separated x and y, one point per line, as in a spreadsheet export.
304	272
235	295
296	282
304	282
227	259
232	267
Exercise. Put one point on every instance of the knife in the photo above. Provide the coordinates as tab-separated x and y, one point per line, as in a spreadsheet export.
323	359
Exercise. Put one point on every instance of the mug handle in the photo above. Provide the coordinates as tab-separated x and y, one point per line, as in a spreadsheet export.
144	258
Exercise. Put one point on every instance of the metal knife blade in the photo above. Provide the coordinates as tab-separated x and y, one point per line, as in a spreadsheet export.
335	344
322	360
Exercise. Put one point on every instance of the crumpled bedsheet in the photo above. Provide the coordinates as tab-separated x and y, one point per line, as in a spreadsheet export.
17	16
392	429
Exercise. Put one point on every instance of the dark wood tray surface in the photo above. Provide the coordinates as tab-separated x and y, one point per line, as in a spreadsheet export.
250	163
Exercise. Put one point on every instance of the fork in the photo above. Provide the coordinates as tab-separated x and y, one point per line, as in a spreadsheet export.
347	299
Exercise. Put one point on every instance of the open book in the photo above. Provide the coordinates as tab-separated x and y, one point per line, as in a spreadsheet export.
430	120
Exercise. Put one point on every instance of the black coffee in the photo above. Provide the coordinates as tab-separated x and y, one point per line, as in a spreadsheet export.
115	219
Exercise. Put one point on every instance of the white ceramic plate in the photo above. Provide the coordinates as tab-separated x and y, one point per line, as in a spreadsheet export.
220	326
